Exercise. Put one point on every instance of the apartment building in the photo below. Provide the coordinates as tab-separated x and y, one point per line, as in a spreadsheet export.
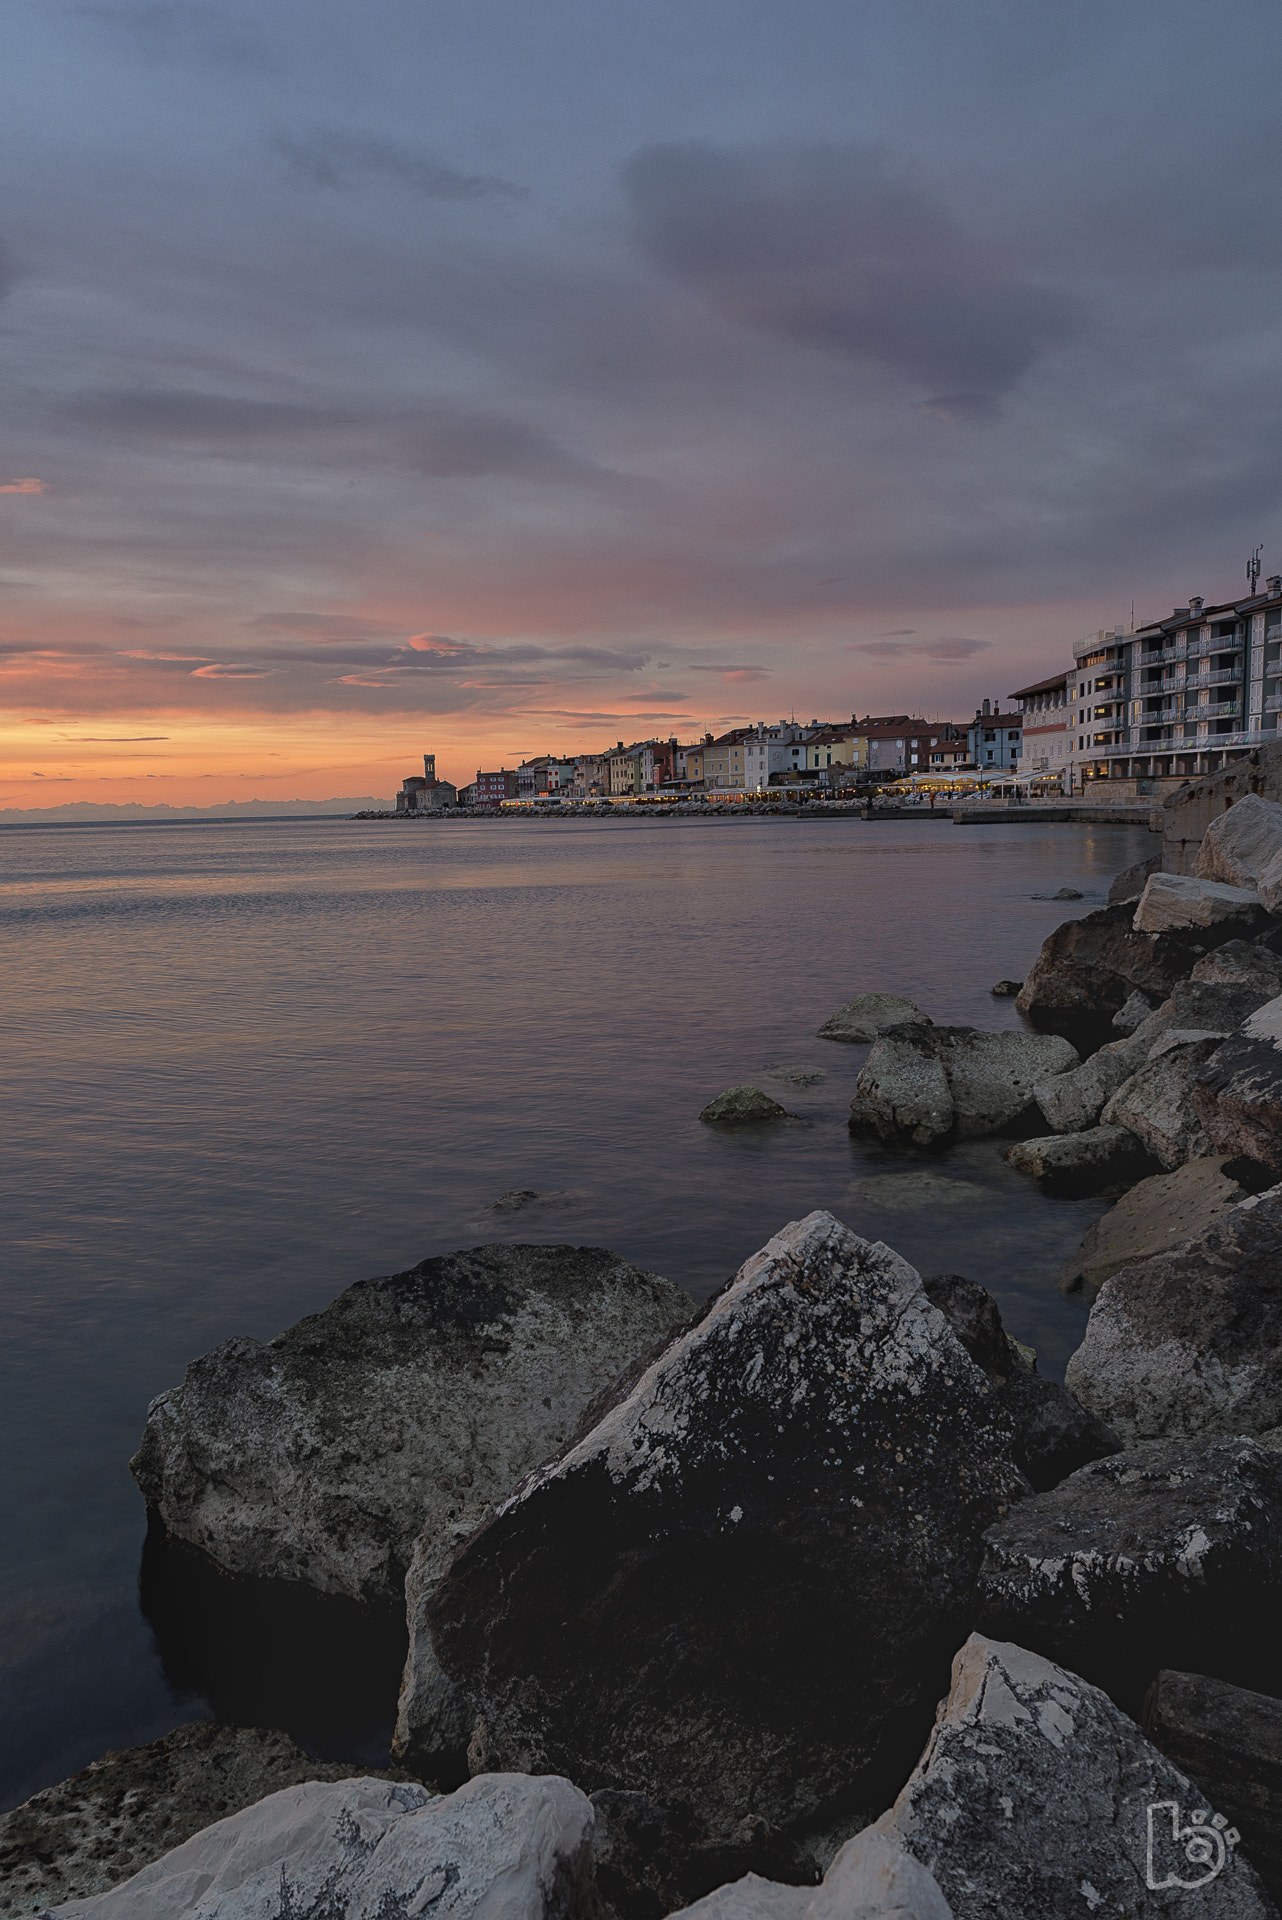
1045	712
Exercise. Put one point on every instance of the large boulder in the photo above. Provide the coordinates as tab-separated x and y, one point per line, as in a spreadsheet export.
1191	810
734	1594
928	1085
1239	844
1074	1164
1157	1214
1073	1101
322	1455
116	1816
1157	1557
504	1846
1036	1798
1156	1103
1189	1342
1241	963
1228	1740
1171	902
1237	1096
869	1014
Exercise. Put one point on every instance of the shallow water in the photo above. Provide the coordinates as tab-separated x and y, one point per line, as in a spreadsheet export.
248	1063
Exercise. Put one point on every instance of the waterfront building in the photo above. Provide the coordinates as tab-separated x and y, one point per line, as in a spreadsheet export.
895	746
723	761
994	739
1044	708
491	788
425	793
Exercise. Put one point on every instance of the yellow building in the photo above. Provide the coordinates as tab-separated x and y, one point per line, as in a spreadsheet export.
723	763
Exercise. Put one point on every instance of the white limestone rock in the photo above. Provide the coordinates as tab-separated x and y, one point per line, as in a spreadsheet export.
1172	901
1240	843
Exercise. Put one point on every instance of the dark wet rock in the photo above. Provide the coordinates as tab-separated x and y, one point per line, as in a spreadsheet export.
742	1106
1189	1342
650	1861
925	1086
1158	1214
1075	1164
869	1014
507	1847
321	1456
1065	893
1238	1093
1228	1741
974	1317
1156	1103
1129	884
514	1200
1240	843
116	1816
1033	1800
798	1076
1150	1558
818	1451
1006	989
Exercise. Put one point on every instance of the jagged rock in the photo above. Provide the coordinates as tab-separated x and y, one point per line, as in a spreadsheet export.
505	1846
1172	901
927	1085
1080	1163
1071	1102
1214	1005
116	1816
1238	846
1237	1096
818	1453
1156	1103
1135	1012
1053	1433
742	1106
650	1861
1035	1798
1151	1558
869	1014
1189	1342
1129	884
1006	989
1158	1214
1241	963
1228	1741
323	1454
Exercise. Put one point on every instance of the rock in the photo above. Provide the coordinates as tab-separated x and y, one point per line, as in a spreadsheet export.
1065	893
1238	845
1156	1104
1036	1798
1129	884
869	1014
1215	1006
1006	989
1228	1741
1075	1164
1160	1213
1147	1559
323	1454
649	1861
1189	812
1071	1102
931	1084
116	1816
818	1453
1189	1341
799	1076
742	1106
1171	901
1270	885
514	1200
1053	1434
1133	1014
504	1846
1240	963
1237	1096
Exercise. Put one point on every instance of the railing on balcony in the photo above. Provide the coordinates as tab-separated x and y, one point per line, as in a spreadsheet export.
1273	703
1219	677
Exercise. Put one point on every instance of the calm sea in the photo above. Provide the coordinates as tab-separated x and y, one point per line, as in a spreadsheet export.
246	1064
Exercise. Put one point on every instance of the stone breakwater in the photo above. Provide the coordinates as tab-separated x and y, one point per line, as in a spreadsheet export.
817	1599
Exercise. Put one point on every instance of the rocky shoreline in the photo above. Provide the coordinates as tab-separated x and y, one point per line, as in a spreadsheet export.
817	1597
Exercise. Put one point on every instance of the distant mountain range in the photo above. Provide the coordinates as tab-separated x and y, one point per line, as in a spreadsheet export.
88	810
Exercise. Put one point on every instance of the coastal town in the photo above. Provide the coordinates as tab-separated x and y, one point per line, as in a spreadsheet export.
1139	710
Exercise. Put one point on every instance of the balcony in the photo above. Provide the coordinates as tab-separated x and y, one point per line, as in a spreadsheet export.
1155	656
1217	677
1273	703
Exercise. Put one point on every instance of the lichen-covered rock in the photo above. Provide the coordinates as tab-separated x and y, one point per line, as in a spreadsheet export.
115	1817
869	1014
742	1106
1150	1558
322	1455
1156	1103
927	1085
505	1847
1082	1163
1228	1740
1157	1215
1189	1342
1239	844
1173	901
1237	1096
1036	1798
738	1586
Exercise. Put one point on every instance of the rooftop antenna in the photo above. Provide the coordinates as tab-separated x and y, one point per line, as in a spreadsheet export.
1253	570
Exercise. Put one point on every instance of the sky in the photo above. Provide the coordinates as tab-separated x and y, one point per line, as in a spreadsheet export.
491	377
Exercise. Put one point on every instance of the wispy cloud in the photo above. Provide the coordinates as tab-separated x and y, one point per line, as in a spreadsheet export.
24	486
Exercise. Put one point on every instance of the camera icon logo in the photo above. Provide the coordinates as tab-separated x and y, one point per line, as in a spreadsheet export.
1201	1848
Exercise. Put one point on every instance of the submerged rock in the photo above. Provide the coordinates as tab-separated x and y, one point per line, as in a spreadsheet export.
1172	901
869	1014
1238	1094
322	1455
742	1106
1152	1558
1189	1342
734	1594
1074	1164
927	1085
1239	844
1228	1740
504	1846
1006	989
